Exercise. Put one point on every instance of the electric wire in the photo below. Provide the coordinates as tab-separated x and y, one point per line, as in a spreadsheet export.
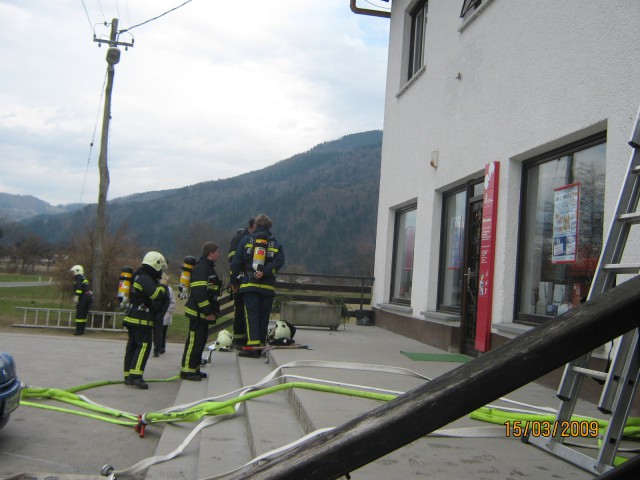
155	18
88	17
93	137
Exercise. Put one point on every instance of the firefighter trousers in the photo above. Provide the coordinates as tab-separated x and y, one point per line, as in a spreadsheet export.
194	345
137	350
257	307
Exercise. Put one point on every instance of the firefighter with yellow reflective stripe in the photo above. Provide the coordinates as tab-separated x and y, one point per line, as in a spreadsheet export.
257	260
239	322
148	289
201	310
82	297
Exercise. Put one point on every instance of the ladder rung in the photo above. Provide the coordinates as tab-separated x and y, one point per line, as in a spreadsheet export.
629	218
590	373
622	267
636	169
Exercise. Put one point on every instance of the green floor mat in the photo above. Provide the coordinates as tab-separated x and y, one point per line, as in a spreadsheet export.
437	357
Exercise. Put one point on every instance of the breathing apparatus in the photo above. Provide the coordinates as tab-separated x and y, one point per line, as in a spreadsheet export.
124	286
185	277
259	254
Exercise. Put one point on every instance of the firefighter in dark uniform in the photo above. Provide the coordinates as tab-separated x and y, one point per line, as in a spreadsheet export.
239	323
258	258
201	310
148	289
82	297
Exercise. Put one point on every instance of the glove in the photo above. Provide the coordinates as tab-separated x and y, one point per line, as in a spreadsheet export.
76	299
164	280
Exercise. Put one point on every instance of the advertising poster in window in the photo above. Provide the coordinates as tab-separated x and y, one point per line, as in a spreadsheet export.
487	256
565	223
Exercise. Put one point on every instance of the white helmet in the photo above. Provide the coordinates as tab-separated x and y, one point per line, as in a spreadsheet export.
77	270
223	342
155	260
282	333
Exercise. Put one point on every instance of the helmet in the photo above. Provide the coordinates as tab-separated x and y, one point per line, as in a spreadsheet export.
224	341
155	260
282	333
77	270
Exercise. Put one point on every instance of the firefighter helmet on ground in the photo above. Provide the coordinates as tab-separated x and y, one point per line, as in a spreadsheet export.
282	333
224	341
77	270
155	260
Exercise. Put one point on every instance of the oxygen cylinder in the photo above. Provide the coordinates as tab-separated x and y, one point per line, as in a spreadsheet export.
185	276
124	285
259	254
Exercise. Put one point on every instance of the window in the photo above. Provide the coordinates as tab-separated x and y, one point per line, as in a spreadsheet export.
561	229
452	244
404	237
454	218
469	6
418	35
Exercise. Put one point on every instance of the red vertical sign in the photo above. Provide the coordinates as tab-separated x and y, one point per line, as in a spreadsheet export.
487	255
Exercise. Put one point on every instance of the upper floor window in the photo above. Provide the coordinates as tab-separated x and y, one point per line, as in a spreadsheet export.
418	35
469	6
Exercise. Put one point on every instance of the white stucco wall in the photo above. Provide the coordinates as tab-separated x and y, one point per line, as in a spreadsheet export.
521	79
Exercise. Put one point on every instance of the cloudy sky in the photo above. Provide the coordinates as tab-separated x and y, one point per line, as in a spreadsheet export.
210	90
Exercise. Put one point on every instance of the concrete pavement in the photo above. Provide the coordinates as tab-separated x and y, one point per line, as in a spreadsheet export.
59	443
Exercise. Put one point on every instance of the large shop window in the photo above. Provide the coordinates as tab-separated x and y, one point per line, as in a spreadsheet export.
404	240
561	229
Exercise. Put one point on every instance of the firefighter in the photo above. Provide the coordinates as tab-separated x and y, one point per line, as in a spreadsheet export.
239	323
258	258
148	290
201	310
82	297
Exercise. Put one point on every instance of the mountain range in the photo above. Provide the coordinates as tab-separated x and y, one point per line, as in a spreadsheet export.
323	203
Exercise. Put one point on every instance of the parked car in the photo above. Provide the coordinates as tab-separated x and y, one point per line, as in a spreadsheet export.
10	388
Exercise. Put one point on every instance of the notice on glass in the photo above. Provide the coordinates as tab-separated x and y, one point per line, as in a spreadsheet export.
565	223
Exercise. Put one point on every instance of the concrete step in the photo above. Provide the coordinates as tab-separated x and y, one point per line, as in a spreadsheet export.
263	423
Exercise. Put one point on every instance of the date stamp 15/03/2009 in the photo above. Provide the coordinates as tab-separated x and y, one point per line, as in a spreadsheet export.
537	428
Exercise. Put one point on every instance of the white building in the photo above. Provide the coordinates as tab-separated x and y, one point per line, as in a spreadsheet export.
542	93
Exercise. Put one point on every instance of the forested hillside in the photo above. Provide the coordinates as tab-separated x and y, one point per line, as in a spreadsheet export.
323	203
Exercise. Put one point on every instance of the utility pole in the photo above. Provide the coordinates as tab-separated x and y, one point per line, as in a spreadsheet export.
113	57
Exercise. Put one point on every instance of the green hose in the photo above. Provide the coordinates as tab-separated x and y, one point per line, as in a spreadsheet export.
209	408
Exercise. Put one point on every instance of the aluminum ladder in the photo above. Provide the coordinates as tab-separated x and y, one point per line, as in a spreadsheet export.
621	378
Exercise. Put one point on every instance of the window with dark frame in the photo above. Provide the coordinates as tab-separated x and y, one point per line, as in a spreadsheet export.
452	244
403	251
469	6
561	229
418	35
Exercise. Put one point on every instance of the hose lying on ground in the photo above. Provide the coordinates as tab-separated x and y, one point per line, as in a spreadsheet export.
228	405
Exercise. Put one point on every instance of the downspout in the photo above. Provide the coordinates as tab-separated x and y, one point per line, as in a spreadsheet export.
366	11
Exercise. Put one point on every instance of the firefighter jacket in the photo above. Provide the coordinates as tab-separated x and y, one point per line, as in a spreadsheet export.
81	286
240	234
242	271
147	297
204	291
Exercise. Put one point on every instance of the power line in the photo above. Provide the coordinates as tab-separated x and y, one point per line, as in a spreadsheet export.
88	17
86	171
155	18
